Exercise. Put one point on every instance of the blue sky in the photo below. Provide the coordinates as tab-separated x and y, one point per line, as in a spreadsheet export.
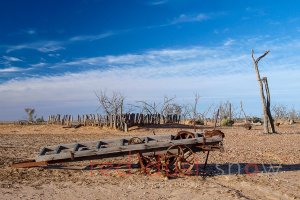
54	54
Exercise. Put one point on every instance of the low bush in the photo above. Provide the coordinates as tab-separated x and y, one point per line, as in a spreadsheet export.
227	122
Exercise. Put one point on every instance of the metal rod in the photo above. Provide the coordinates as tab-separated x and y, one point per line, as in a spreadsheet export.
206	160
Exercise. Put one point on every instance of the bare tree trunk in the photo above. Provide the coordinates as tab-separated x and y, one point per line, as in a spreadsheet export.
216	118
271	120
261	89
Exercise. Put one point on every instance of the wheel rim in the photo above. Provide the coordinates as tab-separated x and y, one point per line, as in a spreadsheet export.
171	158
184	135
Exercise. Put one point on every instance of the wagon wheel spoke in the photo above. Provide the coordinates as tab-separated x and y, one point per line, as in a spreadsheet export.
152	167
188	154
174	151
186	161
150	164
190	136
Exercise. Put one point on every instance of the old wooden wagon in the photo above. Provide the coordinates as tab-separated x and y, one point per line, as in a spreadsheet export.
169	153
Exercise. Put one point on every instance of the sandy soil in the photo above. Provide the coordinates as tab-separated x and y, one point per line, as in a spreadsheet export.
253	166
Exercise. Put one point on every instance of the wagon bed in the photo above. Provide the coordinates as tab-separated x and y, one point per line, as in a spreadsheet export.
151	150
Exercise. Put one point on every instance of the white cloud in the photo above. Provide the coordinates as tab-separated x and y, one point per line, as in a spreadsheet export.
42	46
16	47
11	69
190	18
221	31
229	42
12	59
41	64
46	49
51	47
156	3
53	54
153	58
92	37
30	31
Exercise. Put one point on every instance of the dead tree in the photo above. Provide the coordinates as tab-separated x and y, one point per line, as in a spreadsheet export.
147	108
242	111
225	110
280	111
30	112
168	108
203	115
113	106
265	102
168	112
189	111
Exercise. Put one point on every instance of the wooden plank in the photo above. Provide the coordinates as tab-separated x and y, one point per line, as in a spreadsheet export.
29	163
112	142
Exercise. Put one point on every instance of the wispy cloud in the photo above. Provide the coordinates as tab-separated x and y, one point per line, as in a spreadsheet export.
92	37
221	31
30	31
229	42
164	62
41	64
12	69
50	46
183	18
53	54
12	59
42	46
256	11
157	2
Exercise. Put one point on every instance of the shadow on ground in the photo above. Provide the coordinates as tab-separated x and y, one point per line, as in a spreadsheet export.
210	170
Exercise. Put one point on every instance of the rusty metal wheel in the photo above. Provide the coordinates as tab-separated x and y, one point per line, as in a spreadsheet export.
150	163
184	135
171	158
186	160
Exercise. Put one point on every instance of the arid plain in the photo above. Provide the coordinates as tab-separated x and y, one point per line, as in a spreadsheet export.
253	166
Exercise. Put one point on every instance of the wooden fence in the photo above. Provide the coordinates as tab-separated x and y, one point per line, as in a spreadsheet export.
122	122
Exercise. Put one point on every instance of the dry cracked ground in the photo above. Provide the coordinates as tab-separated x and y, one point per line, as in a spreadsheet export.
253	166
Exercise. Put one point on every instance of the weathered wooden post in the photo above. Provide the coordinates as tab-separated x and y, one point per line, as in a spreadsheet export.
216	119
230	114
265	103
